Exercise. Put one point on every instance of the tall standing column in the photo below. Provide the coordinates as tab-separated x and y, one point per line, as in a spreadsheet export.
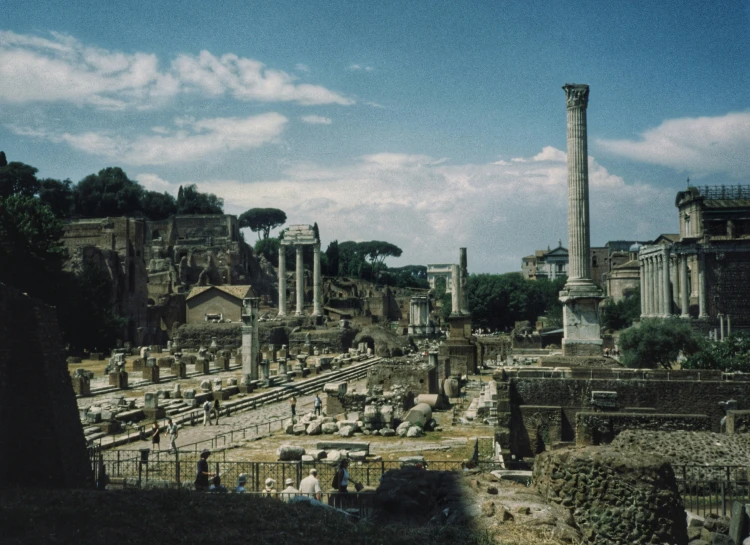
642	273
282	280
300	281
666	286
702	309
455	291
464	264
684	295
250	310
653	281
316	280
580	296
579	268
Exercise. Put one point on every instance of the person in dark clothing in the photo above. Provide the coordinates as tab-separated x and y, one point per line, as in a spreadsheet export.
202	475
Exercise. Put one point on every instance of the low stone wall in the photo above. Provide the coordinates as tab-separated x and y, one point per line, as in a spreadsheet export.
615	497
688	447
738	422
596	428
194	336
671	396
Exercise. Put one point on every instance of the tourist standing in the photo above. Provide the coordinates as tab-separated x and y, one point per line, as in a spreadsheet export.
293	405
241	482
155	436
206	412
310	485
317	404
202	474
217	409
269	491
289	492
172	430
216	485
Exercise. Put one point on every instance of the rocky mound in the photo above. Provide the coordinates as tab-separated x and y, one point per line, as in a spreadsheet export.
616	497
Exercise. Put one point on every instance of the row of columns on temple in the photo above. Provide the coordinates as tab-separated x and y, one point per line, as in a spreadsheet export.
665	278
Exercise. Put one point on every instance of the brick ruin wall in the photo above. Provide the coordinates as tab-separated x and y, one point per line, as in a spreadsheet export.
727	280
38	411
538	405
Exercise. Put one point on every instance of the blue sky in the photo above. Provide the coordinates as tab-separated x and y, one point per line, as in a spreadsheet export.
432	125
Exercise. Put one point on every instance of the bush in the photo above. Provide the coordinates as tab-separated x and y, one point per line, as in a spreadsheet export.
730	355
658	343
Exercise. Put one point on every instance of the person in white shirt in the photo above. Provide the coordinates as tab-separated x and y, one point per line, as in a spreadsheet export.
310	485
289	492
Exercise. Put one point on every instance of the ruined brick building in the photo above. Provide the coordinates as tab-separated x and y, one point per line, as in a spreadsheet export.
153	265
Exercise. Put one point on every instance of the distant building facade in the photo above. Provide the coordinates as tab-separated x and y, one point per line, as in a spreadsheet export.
702	273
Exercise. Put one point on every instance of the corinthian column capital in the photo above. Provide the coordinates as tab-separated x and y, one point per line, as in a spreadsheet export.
576	95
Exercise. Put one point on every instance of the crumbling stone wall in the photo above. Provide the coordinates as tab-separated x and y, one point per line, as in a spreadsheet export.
495	348
664	396
596	428
694	448
336	340
615	497
43	439
415	378
194	336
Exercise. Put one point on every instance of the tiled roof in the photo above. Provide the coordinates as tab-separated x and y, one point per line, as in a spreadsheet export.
239	292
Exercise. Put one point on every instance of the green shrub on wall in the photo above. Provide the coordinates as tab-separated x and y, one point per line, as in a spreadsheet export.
658	343
731	354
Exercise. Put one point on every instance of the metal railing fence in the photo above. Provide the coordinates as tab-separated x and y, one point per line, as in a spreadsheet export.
712	489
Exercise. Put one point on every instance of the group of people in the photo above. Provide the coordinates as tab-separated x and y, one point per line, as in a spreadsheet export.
614	352
172	432
309	486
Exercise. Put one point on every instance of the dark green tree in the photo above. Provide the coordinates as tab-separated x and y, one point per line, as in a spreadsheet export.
158	206
657	343
376	251
85	310
192	201
262	220
18	179
58	196
623	313
332	257
269	247
108	193
31	254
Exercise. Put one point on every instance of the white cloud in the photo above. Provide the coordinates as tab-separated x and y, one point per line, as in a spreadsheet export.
316	120
360	68
192	140
430	208
698	145
61	68
299	67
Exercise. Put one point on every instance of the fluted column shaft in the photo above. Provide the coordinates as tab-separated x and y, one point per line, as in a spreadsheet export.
649	286
666	286
316	280
642	272
684	295
282	280
463	262
579	243
702	308
300	281
455	291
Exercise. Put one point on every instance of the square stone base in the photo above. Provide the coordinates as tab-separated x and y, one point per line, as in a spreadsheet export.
590	347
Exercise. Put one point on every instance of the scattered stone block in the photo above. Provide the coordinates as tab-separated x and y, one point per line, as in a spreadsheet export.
738	523
151	374
314	428
290	453
336	389
203	366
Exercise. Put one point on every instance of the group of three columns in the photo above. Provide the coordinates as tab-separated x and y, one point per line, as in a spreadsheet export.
300	280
